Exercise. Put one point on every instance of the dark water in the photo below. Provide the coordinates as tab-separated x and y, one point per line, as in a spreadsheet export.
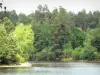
73	68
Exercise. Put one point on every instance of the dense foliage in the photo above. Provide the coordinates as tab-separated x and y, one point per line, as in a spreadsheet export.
49	35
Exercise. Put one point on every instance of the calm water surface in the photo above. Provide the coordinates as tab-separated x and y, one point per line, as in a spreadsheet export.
71	68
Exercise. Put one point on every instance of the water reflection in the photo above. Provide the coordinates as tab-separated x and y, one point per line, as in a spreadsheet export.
72	68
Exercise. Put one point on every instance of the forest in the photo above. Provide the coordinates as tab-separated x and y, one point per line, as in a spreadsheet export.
46	35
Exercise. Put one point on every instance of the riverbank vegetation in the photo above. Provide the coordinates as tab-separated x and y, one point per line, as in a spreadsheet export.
46	35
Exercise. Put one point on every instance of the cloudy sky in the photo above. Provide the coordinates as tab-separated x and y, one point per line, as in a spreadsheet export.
27	6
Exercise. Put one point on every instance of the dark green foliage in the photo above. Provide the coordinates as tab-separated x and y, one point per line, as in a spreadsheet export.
96	43
96	39
78	37
13	17
42	36
24	19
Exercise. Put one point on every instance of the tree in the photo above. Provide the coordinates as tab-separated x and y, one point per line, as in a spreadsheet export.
78	37
24	19
24	37
81	20
96	39
8	48
91	22
42	14
89	51
42	37
8	25
13	17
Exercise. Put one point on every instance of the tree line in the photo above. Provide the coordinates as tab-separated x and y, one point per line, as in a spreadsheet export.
46	35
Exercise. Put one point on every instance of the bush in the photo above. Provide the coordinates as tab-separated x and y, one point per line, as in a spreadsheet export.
77	53
45	54
89	53
97	55
78	37
67	52
19	59
96	43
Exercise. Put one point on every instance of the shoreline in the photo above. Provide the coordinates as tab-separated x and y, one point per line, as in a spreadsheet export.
28	64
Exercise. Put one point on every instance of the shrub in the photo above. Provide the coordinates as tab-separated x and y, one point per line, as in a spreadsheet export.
77	53
19	59
89	53
67	53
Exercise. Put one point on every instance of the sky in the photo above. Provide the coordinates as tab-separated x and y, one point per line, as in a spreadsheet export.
28	6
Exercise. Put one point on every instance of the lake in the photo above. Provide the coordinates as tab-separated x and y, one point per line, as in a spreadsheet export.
70	68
